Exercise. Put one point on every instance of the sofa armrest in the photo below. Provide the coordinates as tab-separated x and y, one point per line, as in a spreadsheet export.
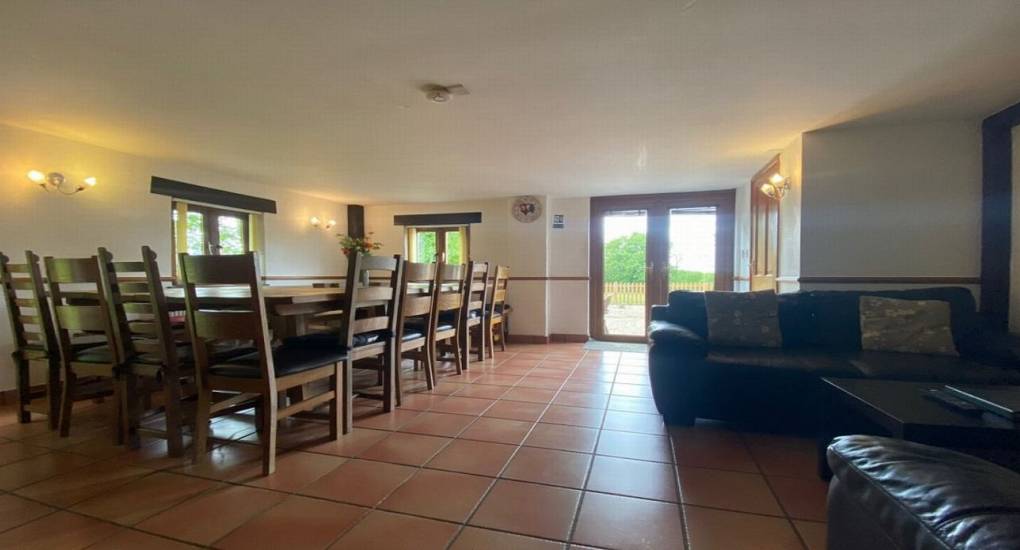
996	348
679	338
660	312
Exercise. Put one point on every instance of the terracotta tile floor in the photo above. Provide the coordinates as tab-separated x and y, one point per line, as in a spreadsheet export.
541	447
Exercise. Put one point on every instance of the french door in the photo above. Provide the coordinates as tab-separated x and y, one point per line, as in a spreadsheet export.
644	246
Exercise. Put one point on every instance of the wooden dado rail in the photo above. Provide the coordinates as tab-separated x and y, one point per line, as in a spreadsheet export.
892	280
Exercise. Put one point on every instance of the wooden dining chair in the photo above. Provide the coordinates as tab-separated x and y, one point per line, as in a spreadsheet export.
157	358
495	325
448	307
80	307
257	377
369	321
35	341
473	310
415	320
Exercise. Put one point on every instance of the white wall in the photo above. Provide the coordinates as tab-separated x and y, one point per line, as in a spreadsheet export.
568	257
120	213
1014	267
500	239
892	200
742	239
791	166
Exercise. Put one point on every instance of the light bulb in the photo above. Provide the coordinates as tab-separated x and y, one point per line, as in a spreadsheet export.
314	221
330	224
36	176
90	181
776	178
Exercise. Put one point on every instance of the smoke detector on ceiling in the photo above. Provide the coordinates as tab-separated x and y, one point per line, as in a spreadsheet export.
442	94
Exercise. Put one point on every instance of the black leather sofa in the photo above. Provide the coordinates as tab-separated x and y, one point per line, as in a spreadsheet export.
779	388
893	494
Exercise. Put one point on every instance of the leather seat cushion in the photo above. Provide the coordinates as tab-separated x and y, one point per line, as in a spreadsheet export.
927	496
451	317
332	339
286	360
929	368
418	324
817	362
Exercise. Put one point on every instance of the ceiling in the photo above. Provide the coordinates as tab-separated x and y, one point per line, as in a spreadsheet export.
568	98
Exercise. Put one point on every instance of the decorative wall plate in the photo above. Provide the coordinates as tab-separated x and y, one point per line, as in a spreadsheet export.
526	209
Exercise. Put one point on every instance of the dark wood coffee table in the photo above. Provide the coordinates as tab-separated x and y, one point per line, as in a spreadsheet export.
899	409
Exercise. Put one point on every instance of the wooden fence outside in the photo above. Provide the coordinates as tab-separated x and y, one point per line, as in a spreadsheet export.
633	294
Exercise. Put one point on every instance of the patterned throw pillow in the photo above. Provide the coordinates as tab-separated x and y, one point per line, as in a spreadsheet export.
908	326
743	319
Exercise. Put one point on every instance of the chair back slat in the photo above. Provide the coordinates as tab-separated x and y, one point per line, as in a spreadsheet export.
417	296
27	307
81	318
134	287
138	308
226	325
417	305
475	282
499	285
360	300
211	321
81	305
375	294
371	324
450	287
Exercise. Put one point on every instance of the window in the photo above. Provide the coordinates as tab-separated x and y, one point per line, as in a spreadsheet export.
210	230
430	244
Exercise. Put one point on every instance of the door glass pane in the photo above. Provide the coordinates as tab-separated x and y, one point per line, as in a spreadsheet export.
692	248
453	247
426	246
623	272
231	229
196	233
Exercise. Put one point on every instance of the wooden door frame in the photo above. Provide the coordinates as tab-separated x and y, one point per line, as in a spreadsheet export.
761	176
657	205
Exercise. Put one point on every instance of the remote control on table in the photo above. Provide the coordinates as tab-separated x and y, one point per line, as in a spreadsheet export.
945	398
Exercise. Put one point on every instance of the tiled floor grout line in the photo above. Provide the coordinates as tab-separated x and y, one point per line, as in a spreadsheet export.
775	495
170	469
499	474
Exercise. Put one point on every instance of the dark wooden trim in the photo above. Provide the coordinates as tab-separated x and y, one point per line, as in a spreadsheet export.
893	280
757	197
996	212
452	218
355	220
208	195
569	338
658	205
527	339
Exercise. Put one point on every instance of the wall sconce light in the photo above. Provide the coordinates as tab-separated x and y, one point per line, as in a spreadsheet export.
55	181
777	187
316	222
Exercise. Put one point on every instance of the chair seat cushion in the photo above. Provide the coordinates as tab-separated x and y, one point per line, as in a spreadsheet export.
286	360
332	339
417	324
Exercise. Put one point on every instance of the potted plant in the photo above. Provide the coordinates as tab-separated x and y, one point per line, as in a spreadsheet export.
359	245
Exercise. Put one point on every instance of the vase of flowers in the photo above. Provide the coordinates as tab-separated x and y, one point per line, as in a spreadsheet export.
359	245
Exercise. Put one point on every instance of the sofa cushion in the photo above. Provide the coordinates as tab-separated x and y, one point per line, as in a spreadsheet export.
929	368
745	319
908	326
929	497
816	362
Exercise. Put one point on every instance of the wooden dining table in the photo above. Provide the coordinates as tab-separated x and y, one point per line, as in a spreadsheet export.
289	307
